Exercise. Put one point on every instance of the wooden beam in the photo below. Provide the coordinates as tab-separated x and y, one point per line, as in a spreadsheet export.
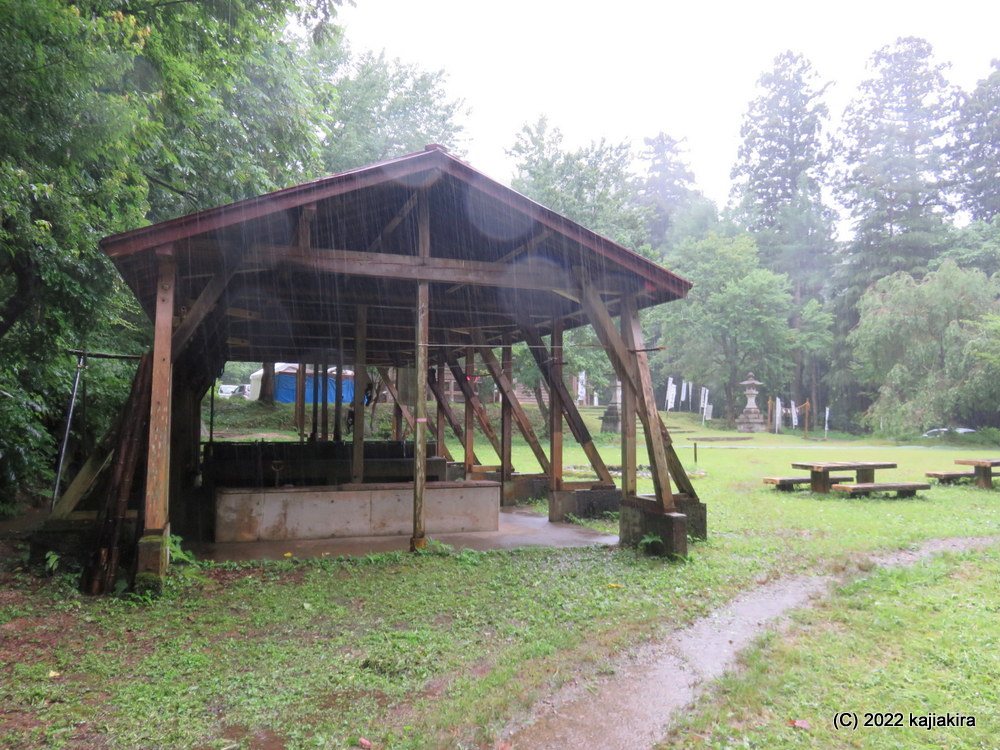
414	268
471	399
626	366
360	383
200	309
157	505
449	414
503	380
418	541
393	223
580	432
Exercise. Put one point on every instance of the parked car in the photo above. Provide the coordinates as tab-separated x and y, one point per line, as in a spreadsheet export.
940	431
229	391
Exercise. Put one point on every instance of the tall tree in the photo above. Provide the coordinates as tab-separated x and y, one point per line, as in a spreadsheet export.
734	320
779	172
894	177
384	108
594	185
677	209
114	116
976	151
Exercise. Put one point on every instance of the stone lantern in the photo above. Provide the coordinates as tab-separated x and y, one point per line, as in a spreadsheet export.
751	420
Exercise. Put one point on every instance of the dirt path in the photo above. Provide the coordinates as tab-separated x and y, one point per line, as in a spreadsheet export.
632	709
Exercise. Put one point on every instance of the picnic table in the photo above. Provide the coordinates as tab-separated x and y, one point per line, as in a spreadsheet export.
819	472
983	468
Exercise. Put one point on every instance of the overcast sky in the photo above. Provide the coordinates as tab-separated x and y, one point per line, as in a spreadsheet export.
628	69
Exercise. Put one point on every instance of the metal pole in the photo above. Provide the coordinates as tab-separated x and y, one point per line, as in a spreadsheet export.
80	362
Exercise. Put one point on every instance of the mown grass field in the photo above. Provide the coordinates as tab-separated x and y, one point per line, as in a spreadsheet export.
443	648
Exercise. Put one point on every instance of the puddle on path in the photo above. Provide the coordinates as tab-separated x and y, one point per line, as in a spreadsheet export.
632	709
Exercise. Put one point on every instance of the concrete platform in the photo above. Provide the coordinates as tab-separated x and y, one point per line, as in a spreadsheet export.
518	527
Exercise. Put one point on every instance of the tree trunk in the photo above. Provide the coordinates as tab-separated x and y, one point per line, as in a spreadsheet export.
267	384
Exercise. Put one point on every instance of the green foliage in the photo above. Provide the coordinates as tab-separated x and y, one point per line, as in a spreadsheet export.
916	349
384	109
735	319
976	150
780	168
594	186
894	180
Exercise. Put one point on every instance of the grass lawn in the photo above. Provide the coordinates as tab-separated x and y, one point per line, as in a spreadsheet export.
440	649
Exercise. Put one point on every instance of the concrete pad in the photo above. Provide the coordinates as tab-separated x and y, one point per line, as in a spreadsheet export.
517	527
356	510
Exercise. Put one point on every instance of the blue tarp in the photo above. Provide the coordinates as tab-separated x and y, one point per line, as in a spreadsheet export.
284	389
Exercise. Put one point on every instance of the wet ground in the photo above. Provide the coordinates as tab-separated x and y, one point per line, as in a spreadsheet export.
650	685
519	527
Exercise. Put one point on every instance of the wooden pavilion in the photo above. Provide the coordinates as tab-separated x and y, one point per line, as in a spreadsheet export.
412	266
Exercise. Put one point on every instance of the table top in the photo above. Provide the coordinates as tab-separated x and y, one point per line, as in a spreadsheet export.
843	465
978	461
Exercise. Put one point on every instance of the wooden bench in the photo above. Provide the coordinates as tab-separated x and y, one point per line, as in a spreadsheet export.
787	484
902	489
950	477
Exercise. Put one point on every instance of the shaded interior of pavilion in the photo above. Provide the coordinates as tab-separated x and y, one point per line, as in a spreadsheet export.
407	269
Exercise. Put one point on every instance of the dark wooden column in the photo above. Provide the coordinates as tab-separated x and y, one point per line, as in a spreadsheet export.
555	409
464	381
360	383
506	409
338	404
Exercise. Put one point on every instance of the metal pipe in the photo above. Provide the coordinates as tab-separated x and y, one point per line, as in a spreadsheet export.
80	362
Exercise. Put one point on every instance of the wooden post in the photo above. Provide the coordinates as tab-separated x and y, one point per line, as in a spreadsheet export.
153	551
545	364
418	540
439	412
506	411
505	384
300	400
326	401
628	416
338	404
463	379
555	411
360	383
445	408
158	460
647	404
470	414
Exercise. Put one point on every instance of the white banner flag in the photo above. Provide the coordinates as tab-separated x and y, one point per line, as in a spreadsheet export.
581	387
671	394
777	414
795	416
684	390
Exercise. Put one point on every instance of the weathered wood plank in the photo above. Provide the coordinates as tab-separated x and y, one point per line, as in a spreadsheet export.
158	462
420	408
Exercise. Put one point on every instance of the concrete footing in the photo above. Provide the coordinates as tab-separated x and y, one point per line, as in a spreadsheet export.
643	522
583	503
